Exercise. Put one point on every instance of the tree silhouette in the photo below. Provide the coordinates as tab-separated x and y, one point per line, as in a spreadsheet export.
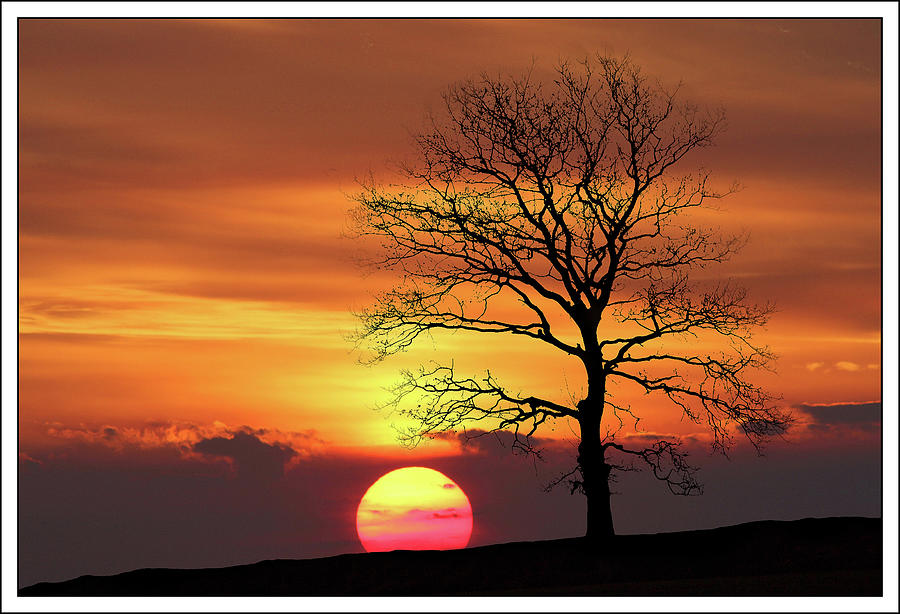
564	196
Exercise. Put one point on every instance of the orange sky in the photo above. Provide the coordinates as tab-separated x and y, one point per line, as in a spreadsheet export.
183	189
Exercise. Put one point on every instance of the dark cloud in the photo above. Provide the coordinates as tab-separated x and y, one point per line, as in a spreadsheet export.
260	454
254	459
844	413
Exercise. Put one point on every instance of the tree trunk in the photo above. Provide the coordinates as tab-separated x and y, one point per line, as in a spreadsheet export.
591	455
594	469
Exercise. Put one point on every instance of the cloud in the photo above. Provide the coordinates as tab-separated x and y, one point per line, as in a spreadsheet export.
177	435
842	365
257	452
494	443
647	439
846	420
844	413
253	458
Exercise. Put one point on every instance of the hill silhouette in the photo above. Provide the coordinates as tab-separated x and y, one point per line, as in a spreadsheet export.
809	557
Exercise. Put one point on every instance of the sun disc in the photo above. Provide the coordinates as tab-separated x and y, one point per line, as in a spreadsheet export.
414	508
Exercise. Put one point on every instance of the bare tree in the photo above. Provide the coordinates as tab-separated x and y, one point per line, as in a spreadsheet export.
566	197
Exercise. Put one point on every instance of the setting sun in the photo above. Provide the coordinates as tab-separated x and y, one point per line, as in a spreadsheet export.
414	508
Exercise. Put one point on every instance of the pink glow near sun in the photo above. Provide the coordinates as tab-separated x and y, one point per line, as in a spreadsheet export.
414	508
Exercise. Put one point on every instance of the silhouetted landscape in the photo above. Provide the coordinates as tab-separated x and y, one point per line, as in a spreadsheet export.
810	557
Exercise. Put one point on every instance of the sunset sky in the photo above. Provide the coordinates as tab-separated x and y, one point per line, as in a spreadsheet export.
187	393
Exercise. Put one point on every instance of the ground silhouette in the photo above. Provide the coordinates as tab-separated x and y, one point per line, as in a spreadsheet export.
809	557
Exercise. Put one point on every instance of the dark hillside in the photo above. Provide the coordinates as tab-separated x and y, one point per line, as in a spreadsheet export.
829	556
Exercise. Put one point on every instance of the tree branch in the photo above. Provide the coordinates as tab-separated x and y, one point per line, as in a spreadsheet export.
668	464
437	400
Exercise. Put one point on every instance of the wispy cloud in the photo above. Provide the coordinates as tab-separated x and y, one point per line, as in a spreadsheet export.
847	366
